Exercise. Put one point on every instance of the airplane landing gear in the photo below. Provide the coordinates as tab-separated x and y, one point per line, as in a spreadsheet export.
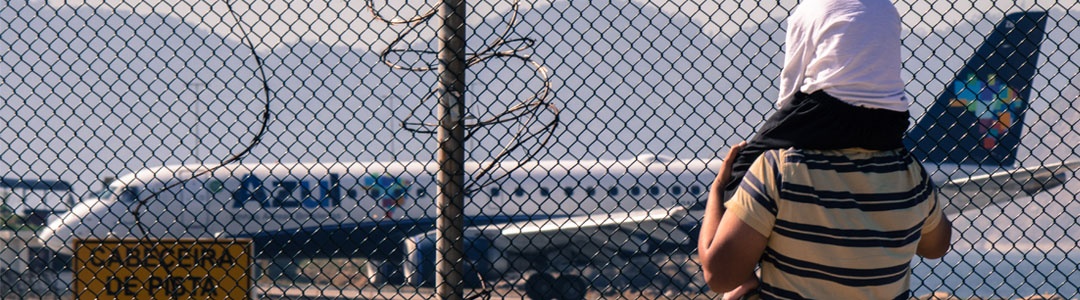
543	286
540	286
572	287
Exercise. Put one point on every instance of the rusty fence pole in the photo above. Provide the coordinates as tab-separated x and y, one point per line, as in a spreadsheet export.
450	244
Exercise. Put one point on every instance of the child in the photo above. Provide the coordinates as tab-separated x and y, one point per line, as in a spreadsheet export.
840	86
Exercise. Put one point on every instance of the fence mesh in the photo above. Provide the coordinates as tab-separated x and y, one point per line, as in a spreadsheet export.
593	131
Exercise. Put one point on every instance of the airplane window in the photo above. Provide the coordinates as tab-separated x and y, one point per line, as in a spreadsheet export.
695	190
569	191
519	192
419	192
129	194
614	191
654	190
635	191
495	191
675	190
108	192
545	191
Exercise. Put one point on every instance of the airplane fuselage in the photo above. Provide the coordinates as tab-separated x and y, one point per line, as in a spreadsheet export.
367	209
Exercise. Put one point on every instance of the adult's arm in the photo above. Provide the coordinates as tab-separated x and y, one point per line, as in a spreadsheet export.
714	205
935	243
735	251
728	248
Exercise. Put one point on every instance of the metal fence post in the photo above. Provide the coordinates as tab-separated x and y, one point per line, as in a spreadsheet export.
450	245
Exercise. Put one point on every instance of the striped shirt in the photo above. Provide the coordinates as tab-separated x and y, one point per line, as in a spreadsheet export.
840	224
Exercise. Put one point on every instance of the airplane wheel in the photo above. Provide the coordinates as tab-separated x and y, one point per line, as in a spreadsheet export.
572	287
541	286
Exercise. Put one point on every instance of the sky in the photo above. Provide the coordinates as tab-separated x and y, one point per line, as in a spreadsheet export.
332	21
201	85
96	71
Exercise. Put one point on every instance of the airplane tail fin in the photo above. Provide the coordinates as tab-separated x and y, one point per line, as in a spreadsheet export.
979	117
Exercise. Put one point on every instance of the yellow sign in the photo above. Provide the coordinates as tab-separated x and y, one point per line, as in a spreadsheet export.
162	268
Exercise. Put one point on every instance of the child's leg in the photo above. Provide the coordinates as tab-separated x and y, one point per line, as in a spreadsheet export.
819	121
763	140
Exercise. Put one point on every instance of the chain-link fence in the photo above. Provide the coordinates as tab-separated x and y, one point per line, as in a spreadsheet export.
593	131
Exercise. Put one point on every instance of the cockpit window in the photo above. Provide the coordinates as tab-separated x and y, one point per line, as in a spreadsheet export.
128	194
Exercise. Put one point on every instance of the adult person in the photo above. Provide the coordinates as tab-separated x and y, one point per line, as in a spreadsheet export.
831	205
823	224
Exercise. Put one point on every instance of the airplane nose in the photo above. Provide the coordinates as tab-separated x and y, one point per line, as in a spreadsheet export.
56	235
53	237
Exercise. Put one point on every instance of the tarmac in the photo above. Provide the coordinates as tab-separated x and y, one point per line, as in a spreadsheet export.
314	292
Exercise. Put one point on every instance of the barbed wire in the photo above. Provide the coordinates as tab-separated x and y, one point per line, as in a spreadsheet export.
256	140
527	111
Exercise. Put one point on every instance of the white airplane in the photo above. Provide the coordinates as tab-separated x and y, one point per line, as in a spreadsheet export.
581	210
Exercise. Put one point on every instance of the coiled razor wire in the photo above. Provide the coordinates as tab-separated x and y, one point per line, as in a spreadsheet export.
527	112
264	124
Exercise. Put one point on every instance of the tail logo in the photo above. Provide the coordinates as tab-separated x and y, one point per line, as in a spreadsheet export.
995	104
388	191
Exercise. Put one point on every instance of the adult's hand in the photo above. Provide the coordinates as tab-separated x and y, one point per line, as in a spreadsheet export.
724	175
746	288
